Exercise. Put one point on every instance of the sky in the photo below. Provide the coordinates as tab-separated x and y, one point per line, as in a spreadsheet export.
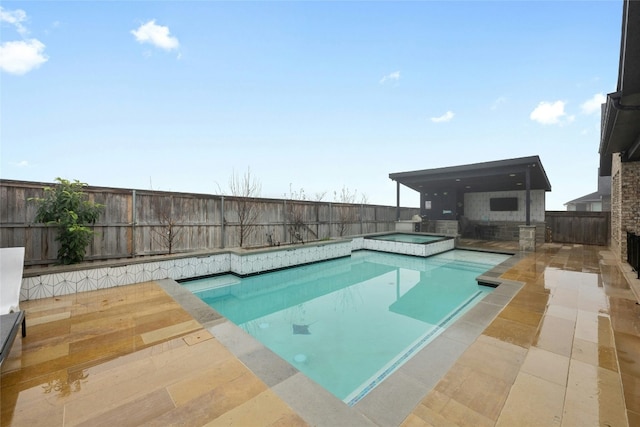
307	97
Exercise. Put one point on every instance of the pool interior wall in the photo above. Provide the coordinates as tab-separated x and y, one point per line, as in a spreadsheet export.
354	329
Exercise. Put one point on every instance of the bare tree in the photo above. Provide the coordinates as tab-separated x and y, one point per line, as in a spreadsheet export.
346	213
320	195
246	188
296	214
169	233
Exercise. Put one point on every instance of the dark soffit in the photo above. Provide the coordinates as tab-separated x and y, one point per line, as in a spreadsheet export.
500	175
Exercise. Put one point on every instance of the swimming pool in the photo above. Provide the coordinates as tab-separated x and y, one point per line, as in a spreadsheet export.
349	323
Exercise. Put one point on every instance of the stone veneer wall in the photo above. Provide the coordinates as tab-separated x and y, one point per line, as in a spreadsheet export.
625	203
527	237
447	227
507	231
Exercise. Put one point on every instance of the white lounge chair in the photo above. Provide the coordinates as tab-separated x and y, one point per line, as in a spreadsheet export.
11	317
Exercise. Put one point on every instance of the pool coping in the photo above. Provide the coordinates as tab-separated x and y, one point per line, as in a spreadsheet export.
392	400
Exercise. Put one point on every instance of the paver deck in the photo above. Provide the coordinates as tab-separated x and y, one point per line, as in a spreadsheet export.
563	351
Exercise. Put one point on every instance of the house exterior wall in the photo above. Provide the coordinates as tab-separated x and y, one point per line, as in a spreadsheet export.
625	203
585	207
476	206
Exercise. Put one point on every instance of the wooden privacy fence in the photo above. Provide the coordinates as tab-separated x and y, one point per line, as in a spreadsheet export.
587	228
145	222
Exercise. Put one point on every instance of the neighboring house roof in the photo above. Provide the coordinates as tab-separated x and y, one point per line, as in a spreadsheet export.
593	197
621	113
604	191
500	175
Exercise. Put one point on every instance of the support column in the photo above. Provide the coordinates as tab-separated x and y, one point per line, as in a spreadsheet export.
527	238
528	192
397	200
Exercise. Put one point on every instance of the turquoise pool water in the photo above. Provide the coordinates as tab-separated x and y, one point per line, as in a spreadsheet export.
348	323
407	238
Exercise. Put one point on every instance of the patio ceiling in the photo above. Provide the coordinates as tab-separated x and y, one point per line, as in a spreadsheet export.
621	112
501	175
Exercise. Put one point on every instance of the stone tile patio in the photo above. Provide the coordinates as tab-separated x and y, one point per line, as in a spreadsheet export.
562	351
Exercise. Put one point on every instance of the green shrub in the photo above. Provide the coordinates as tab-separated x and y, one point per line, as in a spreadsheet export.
66	206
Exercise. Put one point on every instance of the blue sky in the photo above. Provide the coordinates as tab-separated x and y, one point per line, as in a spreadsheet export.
307	95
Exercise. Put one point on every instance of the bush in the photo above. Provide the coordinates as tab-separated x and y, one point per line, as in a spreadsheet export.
66	206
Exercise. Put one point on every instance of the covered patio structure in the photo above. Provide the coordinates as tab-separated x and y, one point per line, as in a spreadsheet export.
490	200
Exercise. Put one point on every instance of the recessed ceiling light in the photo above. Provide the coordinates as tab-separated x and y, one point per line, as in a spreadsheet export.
512	174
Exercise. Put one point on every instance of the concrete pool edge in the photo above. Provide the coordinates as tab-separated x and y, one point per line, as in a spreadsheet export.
391	401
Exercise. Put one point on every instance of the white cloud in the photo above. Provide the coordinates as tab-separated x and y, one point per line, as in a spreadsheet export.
23	164
549	113
395	76
592	105
20	57
15	18
443	118
157	35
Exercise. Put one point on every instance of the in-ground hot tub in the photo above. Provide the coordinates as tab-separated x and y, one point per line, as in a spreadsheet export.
415	244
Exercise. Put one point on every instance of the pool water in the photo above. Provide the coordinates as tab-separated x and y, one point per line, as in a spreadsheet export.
349	323
407	238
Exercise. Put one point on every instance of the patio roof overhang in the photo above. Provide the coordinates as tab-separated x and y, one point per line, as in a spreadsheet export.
621	112
501	175
620	130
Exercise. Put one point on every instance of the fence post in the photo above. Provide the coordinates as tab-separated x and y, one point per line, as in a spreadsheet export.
222	221
330	220
134	219
284	220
